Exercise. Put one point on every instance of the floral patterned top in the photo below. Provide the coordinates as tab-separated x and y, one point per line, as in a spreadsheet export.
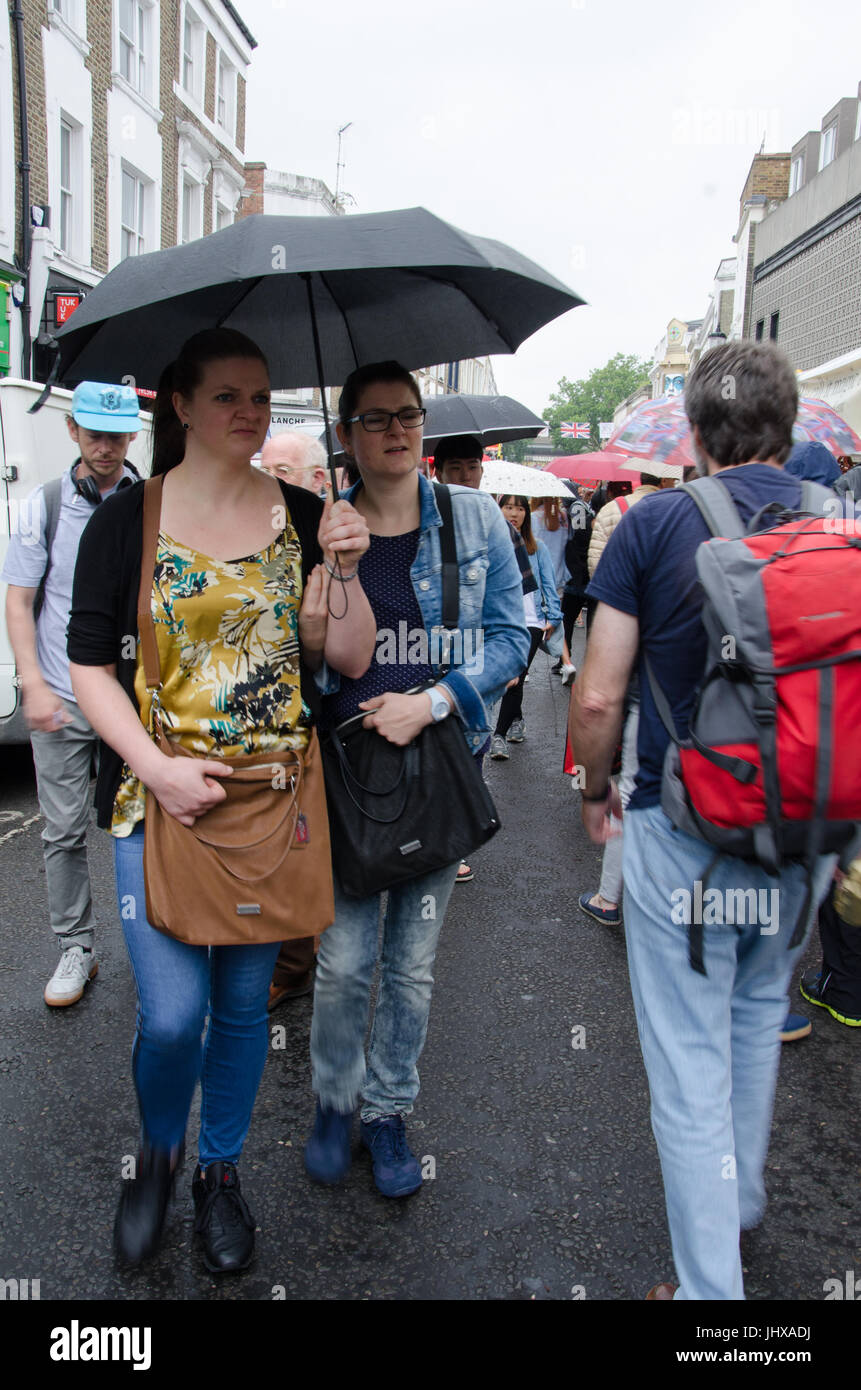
228	642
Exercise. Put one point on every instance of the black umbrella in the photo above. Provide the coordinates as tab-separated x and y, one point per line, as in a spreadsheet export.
492	419
320	295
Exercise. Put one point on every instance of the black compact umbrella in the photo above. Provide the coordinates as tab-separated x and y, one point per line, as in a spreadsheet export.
492	419
319	295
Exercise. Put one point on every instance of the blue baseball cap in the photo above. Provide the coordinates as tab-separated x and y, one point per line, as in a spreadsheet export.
104	408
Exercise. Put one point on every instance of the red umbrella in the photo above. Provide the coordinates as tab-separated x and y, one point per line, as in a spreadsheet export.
601	463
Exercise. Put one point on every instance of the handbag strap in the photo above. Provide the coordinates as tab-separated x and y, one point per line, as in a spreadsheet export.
450	573
146	626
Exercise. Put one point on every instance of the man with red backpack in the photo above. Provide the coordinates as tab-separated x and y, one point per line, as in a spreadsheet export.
720	892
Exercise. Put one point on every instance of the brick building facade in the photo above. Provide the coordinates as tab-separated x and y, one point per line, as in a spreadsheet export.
135	113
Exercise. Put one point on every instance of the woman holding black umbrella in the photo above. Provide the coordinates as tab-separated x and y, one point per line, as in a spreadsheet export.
380	428
237	641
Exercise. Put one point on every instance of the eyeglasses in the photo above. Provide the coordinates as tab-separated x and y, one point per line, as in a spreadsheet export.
411	418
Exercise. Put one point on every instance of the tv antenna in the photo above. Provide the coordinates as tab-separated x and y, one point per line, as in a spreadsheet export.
341	198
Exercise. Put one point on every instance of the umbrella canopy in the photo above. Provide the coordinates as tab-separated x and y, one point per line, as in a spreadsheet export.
601	464
380	285
500	476
492	419
658	432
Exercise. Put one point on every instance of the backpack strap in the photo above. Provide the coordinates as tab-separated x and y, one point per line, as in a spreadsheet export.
716	507
450	573
52	493
623	505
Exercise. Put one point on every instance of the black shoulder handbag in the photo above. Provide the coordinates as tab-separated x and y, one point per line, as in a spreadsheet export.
398	813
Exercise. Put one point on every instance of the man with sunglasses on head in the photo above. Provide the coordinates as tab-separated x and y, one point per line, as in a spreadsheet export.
39	568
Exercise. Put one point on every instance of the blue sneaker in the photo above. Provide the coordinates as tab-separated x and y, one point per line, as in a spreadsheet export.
795	1027
327	1152
397	1171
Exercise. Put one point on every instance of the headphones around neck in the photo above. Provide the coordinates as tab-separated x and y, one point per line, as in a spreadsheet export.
88	488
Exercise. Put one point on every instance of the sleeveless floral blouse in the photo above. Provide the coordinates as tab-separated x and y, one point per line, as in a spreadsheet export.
228	642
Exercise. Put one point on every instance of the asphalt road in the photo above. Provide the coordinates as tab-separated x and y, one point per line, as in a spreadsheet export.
546	1179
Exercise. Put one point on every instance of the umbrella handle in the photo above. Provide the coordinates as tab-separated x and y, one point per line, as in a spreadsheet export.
306	276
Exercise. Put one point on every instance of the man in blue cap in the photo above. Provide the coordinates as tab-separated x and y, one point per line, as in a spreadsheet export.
39	569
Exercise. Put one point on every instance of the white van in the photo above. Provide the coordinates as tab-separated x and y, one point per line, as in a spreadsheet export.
34	449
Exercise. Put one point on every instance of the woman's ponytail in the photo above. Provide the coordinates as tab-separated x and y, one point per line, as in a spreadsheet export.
168	436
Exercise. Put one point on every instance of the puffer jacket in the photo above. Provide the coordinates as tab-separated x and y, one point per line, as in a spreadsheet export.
608	519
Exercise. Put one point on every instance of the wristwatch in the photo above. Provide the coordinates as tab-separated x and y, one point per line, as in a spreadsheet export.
440	706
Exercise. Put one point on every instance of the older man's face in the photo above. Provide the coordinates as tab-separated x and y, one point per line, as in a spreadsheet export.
287	458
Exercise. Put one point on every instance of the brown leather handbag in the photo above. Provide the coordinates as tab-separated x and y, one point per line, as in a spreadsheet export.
256	867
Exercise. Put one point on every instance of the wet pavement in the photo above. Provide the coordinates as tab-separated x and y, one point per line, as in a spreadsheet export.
542	1175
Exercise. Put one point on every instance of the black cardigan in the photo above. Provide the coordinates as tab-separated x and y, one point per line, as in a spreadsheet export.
105	597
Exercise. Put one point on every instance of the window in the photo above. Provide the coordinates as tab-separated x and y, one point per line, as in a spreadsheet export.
133	44
223	216
133	212
67	180
772	327
827	145
225	105
72	13
759	330
192	55
191	210
796	174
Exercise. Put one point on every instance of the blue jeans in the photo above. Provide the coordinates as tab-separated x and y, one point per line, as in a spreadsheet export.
177	986
345	968
710	1043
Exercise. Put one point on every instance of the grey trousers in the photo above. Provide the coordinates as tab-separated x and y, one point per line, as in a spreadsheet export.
63	760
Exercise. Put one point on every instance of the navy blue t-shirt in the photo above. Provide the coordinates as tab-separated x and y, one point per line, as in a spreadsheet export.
401	652
648	569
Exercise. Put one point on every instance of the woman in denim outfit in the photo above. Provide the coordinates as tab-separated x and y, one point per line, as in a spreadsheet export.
380	430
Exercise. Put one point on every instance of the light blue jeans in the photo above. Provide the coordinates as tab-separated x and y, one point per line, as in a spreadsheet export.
710	1043
346	959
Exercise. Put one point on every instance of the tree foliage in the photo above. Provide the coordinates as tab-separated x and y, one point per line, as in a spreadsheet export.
515	450
594	399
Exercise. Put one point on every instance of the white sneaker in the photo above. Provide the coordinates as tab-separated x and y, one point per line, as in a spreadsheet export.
71	977
568	673
498	749
517	732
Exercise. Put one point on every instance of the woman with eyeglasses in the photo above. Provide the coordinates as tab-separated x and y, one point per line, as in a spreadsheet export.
380	429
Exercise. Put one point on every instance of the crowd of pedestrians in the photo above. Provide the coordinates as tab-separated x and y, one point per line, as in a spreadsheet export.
268	603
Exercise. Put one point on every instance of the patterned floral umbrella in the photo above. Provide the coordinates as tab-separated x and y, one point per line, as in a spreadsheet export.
658	431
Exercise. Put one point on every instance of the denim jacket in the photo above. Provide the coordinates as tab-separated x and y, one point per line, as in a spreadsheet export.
493	643
542	568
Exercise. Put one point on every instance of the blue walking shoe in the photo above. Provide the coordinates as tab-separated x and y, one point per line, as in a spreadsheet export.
327	1152
397	1171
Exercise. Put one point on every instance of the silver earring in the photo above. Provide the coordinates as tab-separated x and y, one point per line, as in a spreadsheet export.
186	425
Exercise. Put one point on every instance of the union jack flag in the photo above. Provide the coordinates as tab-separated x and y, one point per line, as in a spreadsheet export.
570	429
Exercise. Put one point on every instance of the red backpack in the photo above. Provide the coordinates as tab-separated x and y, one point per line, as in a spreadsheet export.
771	767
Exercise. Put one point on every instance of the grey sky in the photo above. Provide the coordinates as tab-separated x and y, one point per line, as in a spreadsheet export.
609	142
